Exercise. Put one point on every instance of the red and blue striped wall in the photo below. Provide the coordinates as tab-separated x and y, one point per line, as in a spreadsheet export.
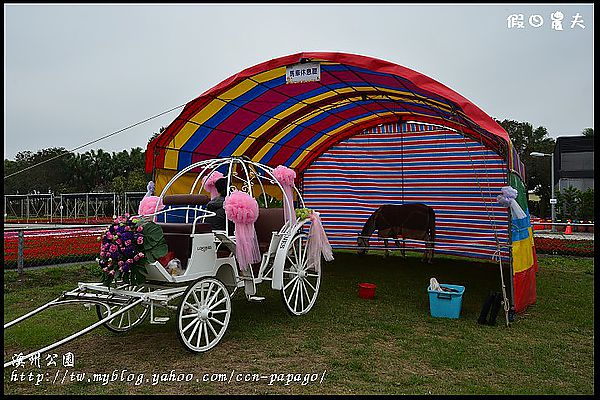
412	163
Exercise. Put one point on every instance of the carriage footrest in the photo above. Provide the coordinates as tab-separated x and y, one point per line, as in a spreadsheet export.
159	320
255	299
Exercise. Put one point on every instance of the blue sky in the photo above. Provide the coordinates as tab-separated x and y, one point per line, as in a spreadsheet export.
74	73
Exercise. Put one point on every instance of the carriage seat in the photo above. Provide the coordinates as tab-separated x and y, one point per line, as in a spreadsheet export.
186	199
179	241
269	220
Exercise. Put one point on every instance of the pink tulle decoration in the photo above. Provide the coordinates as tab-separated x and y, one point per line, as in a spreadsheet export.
148	205
209	183
317	243
285	176
242	209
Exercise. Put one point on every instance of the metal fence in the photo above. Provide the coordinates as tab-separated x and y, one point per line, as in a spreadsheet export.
72	208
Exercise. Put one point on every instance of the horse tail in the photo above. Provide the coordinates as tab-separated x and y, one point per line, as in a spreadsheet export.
432	226
431	233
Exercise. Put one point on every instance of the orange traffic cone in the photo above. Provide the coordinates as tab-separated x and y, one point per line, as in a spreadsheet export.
568	229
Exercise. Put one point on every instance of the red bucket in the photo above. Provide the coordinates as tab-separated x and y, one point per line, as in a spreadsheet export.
366	290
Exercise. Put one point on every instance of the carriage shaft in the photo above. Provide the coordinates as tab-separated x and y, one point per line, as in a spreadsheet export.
75	335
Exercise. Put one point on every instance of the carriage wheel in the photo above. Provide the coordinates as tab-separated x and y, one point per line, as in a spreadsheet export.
203	315
126	321
300	282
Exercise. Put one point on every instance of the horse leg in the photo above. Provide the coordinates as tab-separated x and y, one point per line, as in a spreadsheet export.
429	250
387	251
398	245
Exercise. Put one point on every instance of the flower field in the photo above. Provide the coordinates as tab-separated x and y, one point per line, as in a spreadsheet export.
55	246
46	247
584	248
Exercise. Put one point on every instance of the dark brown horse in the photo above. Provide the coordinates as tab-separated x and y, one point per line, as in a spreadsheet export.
409	221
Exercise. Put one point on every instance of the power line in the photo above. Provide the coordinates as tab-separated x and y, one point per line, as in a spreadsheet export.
95	141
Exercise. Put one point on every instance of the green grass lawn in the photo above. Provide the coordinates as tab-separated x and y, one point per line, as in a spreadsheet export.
387	345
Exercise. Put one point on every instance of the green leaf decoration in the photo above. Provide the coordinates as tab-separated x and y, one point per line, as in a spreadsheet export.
303	213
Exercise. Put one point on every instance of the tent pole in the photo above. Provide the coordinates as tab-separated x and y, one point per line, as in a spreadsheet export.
510	256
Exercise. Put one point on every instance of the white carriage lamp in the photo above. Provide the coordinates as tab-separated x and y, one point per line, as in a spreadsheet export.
553	199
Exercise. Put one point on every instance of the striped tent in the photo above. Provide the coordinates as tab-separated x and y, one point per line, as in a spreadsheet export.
361	132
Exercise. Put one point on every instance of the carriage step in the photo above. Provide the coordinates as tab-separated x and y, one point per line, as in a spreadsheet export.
159	320
256	299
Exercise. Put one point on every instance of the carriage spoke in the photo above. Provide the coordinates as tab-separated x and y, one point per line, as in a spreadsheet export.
121	320
213	298
295	253
313	275
217	303
208	295
290	282
198	339
129	317
306	291
217	321
211	328
206	333
304	258
194	330
190	324
201	294
310	284
196	298
291	272
301	295
190	305
294	289
189	315
296	300
219	311
290	260
137	316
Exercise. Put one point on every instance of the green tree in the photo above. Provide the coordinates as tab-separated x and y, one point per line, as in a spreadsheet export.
44	171
587	205
568	203
156	134
589	132
526	139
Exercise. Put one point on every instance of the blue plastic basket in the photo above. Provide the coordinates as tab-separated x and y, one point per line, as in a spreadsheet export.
446	304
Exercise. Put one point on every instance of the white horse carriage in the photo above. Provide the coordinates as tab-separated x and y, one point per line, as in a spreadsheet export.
201	295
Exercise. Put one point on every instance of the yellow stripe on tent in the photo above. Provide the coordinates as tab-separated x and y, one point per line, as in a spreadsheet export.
522	253
181	137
